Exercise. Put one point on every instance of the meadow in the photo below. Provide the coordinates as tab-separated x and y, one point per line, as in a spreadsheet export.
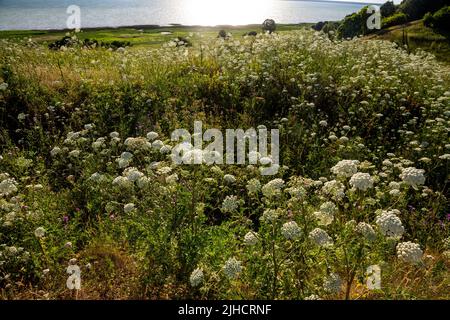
87	180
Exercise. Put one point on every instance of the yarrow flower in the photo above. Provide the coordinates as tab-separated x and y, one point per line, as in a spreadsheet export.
361	181
196	277
332	283
320	238
270	215
232	268
291	231
390	225
251	238
345	168
8	185
409	252
229	178
230	204
253	186
334	189
366	231
413	177
39	232
273	188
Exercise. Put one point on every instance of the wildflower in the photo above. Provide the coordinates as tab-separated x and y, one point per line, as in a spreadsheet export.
290	230
68	244
272	188
253	186
332	284
361	181
390	225
173	178
313	297
129	207
409	252
251	238
270	215
3	86
230	204
334	188
39	232
152	136
345	168
196	277
133	174
413	177
8	185
320	238
122	182
229	178
232	268
366	231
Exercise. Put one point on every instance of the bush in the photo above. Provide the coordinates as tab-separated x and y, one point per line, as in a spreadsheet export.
354	24
416	9
269	25
439	21
388	9
396	19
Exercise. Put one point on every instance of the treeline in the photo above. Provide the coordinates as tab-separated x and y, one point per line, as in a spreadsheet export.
436	15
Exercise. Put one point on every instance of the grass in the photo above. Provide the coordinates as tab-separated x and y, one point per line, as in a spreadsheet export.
420	37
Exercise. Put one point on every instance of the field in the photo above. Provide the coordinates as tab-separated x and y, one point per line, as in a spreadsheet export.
358	208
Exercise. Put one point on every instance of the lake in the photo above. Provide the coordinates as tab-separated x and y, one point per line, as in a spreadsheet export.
51	14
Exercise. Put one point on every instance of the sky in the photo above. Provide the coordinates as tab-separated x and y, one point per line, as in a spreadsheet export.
369	1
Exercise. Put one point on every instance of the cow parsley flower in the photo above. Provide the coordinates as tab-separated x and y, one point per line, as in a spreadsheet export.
361	181
413	177
251	238
272	188
232	268
366	231
332	284
334	189
253	186
229	179
8	185
409	252
39	232
196	277
320	238
291	231
230	204
390	225
270	215
345	168
152	136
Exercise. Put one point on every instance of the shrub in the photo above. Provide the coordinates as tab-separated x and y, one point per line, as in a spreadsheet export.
354	24
439	20
388	9
416	9
396	19
269	25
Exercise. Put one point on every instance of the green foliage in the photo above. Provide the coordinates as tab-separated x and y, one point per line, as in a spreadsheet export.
394	20
355	24
416	9
440	20
388	9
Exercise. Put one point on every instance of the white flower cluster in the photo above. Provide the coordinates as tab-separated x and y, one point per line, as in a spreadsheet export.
345	168
320	238
334	189
270	215
253	186
229	179
326	214
413	177
232	268
390	225
8	185
138	143
230	204
332	284
409	252
196	277
273	188
39	232
124	160
291	231
366	231
251	238
361	181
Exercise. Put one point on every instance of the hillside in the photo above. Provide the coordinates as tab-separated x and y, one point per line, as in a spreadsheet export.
419	37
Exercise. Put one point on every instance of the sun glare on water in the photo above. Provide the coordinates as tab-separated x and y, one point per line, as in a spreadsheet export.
229	12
